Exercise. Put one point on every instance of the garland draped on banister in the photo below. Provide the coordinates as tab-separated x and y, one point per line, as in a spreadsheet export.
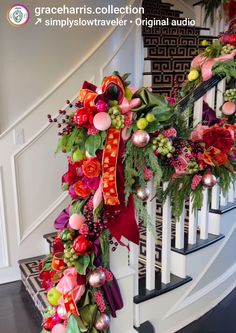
117	139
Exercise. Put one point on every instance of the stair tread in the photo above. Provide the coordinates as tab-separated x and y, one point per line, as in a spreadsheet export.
200	244
30	278
161	288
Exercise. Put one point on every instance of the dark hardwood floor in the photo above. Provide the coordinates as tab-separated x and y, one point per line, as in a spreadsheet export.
18	315
17	312
221	319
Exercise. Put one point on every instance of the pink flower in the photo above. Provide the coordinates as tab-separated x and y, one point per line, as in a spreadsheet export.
148	175
84	230
197	134
171	100
196	181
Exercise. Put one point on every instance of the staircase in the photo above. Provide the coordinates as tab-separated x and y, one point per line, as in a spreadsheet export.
169	50
173	279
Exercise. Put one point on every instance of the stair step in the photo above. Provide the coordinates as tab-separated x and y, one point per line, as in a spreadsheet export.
159	12
30	278
145	328
224	209
165	51
50	239
165	65
182	40
200	244
170	30
153	4
161	288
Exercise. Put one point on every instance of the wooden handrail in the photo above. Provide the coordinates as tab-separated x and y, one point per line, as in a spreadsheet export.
200	91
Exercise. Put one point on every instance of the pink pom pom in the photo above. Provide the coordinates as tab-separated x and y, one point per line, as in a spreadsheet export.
228	108
76	221
59	328
102	121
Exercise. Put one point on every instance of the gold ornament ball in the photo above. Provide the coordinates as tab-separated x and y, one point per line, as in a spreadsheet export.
140	138
96	278
103	322
209	180
143	193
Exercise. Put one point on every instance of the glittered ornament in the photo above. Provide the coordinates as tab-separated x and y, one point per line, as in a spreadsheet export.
209	180
103	322
59	328
140	138
97	278
143	193
61	311
102	121
76	221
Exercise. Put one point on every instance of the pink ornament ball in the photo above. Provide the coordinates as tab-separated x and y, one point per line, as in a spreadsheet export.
228	108
76	221
102	121
59	328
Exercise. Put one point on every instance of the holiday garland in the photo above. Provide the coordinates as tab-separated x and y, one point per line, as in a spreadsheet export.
117	139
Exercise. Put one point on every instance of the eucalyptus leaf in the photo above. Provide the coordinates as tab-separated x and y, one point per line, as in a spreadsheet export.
72	326
81	264
76	206
163	114
92	144
72	139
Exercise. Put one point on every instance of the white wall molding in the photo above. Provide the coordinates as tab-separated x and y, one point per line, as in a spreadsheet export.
64	79
43	217
4	259
116	52
21	233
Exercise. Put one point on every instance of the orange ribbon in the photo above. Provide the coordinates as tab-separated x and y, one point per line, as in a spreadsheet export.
109	167
57	262
69	304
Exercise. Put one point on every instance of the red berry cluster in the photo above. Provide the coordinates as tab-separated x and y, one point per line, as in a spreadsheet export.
95	227
63	120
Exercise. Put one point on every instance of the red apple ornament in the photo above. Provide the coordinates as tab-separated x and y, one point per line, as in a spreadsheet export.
82	246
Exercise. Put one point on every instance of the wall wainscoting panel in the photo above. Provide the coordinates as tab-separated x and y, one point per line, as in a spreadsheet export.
4	258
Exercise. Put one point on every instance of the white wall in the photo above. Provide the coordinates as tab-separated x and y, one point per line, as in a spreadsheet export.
30	194
34	58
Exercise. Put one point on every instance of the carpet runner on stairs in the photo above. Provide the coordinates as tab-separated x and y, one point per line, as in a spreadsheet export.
170	49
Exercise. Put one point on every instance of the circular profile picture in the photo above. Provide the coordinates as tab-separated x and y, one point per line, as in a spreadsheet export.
18	15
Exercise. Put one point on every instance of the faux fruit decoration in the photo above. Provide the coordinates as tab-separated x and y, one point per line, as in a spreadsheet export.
193	75
229	37
53	296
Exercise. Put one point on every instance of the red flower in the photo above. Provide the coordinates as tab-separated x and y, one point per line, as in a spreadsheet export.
81	190
218	137
72	175
91	168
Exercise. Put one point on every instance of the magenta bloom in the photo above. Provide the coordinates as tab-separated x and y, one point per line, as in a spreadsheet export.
91	183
